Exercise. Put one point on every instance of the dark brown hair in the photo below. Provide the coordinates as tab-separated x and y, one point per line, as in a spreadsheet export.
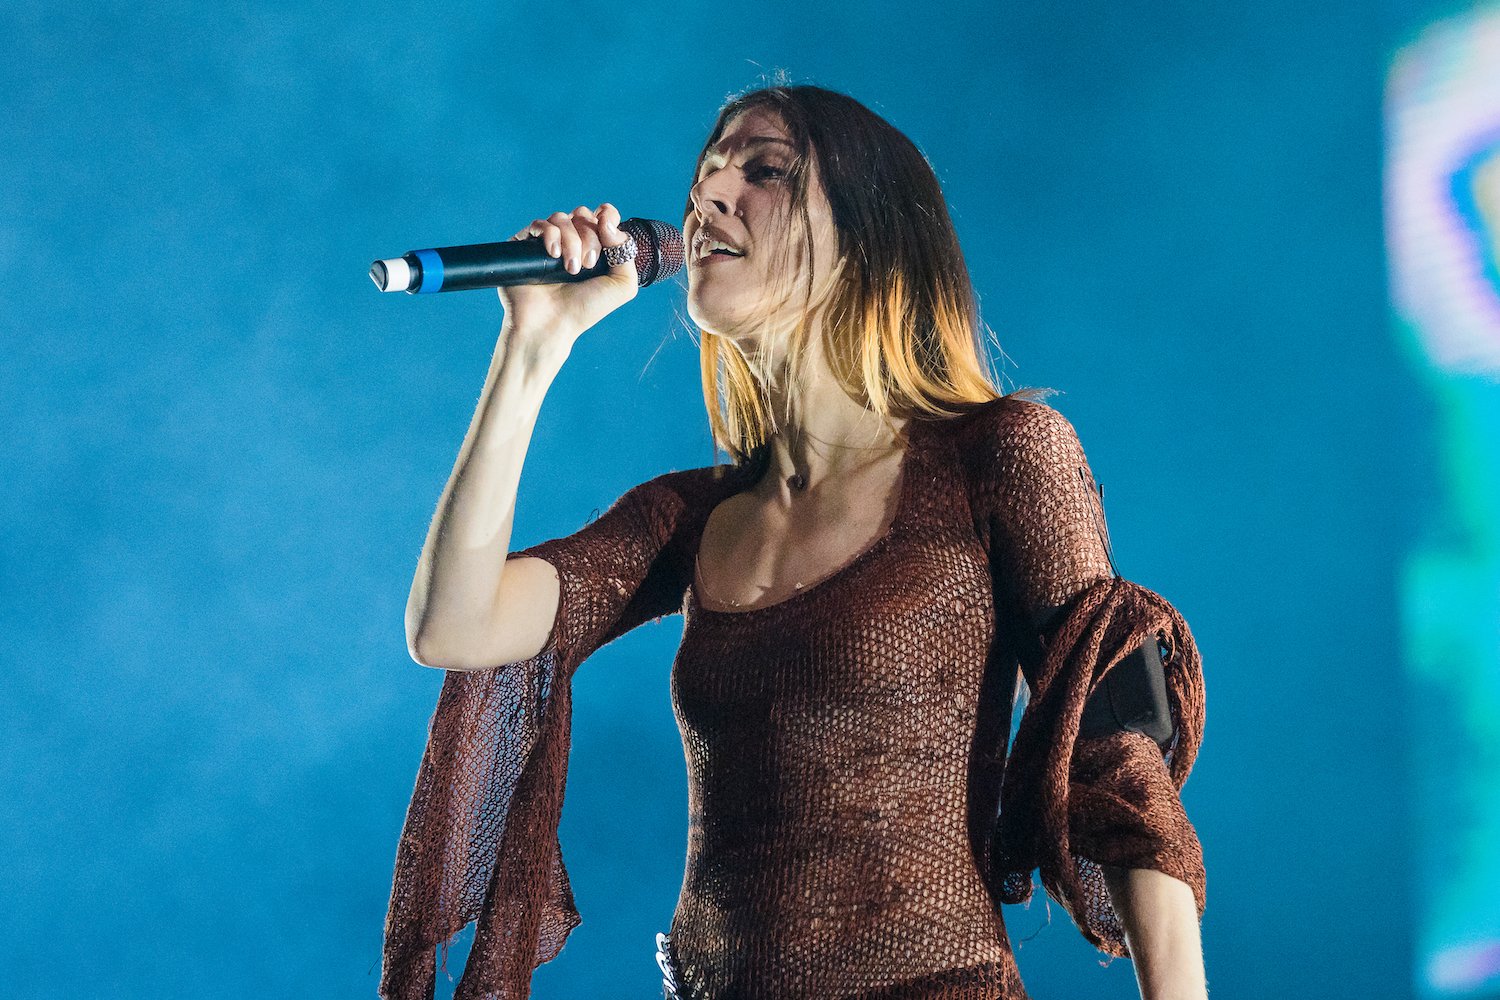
902	334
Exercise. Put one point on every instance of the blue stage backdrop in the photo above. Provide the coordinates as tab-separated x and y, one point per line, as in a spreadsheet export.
222	447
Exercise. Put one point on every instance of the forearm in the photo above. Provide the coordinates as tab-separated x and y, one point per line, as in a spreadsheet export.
1160	919
457	579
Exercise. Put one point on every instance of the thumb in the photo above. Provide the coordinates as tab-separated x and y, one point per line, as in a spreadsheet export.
611	235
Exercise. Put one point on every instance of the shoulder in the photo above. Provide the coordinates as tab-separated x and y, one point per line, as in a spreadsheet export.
673	498
694	485
1013	431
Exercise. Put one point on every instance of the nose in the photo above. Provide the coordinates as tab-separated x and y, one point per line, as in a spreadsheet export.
712	194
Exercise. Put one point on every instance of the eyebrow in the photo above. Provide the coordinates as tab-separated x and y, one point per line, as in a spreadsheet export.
761	140
753	142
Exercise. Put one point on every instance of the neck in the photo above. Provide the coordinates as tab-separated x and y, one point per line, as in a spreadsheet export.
822	432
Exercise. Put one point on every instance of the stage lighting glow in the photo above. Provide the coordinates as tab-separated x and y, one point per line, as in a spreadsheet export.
1443	238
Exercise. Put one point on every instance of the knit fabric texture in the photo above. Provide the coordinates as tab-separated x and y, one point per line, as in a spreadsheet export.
856	814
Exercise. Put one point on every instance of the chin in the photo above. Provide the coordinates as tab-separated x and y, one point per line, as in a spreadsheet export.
713	314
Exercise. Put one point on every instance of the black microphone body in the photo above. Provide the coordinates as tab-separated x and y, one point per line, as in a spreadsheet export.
659	255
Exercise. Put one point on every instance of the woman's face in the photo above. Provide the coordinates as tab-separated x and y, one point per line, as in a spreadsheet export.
747	253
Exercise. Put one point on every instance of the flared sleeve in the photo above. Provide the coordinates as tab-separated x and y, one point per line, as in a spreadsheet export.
1071	805
480	837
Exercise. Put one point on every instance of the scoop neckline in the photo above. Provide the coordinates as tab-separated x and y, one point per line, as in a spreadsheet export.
903	494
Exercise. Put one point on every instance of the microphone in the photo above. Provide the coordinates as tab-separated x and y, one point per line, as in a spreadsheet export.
659	254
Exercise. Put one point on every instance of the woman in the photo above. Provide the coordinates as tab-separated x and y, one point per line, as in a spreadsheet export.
892	538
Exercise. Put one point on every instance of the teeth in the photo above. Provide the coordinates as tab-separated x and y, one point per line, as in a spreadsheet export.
707	246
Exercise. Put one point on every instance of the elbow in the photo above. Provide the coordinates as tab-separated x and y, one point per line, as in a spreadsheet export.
419	647
427	653
425	640
441	650
418	643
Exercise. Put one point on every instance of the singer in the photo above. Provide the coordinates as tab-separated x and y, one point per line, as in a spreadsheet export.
893	553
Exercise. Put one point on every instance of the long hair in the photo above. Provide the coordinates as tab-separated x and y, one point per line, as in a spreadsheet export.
901	328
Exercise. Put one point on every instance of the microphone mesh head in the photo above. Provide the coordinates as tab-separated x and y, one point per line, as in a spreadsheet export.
659	250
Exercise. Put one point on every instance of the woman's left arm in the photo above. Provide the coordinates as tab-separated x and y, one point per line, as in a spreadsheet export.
1161	927
1117	806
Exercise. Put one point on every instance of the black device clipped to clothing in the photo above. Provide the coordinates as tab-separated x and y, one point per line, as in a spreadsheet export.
1132	696
1134	693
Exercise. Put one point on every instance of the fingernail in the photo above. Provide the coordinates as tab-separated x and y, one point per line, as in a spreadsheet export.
573	264
591	258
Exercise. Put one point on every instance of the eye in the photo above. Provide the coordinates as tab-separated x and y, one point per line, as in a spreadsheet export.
759	173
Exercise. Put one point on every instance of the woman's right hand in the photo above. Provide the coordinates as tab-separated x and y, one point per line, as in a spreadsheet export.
566	310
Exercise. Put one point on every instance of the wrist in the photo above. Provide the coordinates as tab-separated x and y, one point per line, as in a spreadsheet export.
539	351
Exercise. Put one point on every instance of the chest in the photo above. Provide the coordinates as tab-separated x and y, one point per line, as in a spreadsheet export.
756	551
890	665
908	618
908	622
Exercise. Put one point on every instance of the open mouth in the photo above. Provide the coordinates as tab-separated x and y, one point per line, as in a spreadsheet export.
708	248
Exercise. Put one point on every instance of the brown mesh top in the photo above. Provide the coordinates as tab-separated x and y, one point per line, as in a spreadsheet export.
855	815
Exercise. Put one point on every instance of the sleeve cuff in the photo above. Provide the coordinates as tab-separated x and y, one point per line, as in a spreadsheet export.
1069	805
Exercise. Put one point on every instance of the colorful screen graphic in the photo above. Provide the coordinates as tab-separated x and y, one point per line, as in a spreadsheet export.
1443	238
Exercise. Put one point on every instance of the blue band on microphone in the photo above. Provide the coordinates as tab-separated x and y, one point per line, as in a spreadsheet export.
432	271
